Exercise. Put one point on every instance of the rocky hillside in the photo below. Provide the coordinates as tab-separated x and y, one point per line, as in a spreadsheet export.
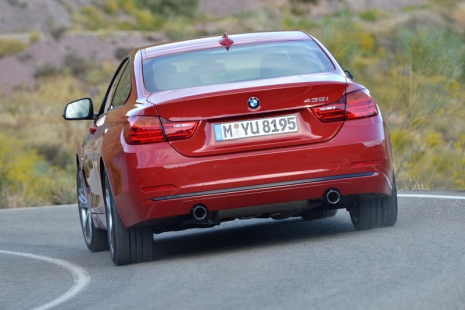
26	15
55	31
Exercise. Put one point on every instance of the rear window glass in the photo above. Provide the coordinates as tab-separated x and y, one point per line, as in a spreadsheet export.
239	63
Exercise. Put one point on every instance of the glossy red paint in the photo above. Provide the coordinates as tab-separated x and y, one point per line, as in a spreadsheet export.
155	178
260	168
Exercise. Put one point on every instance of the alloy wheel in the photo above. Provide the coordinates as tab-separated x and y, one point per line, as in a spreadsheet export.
108	206
84	210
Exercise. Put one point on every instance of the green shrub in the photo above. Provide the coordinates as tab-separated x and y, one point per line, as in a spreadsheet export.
430	51
11	46
23	179
372	15
174	8
76	64
430	63
34	36
146	20
92	18
298	7
111	6
178	29
46	70
341	35
63	186
121	52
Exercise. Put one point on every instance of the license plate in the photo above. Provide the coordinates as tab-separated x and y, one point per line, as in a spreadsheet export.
255	128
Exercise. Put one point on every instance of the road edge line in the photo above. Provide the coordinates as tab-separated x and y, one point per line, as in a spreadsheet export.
80	275
431	196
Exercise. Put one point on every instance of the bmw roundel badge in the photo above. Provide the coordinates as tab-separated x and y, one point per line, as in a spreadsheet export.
253	102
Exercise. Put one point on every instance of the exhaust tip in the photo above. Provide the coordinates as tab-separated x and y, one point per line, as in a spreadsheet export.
332	196
199	212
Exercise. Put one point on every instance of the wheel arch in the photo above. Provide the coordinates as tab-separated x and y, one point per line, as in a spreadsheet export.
102	168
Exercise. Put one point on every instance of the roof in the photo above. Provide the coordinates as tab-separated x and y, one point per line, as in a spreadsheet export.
212	42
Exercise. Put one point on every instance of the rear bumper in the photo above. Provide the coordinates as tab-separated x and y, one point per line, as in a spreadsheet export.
238	190
232	198
251	178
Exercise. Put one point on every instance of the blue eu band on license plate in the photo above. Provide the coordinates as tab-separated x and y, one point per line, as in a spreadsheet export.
255	128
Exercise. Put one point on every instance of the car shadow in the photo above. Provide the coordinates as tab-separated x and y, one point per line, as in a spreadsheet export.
242	235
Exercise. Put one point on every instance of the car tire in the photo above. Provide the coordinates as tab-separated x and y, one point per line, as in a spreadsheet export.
95	239
316	215
127	245
375	213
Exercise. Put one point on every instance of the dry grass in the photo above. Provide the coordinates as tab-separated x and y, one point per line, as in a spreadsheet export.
38	146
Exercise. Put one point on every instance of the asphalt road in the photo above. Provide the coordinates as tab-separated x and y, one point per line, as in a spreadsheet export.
256	264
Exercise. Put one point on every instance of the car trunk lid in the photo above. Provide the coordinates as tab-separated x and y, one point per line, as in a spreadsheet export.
228	123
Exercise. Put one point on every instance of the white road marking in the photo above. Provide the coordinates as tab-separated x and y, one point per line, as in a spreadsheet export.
430	196
80	275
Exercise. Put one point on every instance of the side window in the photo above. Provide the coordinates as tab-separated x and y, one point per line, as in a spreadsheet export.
123	88
109	96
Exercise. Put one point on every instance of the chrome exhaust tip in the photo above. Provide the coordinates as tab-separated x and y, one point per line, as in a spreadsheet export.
199	212
332	196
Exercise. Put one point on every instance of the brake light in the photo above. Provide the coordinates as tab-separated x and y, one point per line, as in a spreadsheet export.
144	129
360	105
355	105
149	129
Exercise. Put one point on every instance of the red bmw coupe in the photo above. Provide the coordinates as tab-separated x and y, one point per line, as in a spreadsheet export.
199	132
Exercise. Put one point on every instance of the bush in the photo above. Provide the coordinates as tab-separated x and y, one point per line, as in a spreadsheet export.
121	52
34	171
23	175
34	36
341	35
11	46
93	18
111	6
427	85
178	29
174	8
45	70
372	15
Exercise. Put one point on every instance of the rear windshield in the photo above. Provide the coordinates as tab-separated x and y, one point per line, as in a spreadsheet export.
239	63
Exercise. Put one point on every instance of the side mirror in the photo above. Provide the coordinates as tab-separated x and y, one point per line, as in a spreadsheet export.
79	109
349	75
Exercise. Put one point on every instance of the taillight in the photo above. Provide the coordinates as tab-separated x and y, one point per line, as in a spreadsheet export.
144	129
178	130
149	129
355	105
334	112
330	112
360	105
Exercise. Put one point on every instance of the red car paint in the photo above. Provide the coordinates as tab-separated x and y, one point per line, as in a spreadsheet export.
156	182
